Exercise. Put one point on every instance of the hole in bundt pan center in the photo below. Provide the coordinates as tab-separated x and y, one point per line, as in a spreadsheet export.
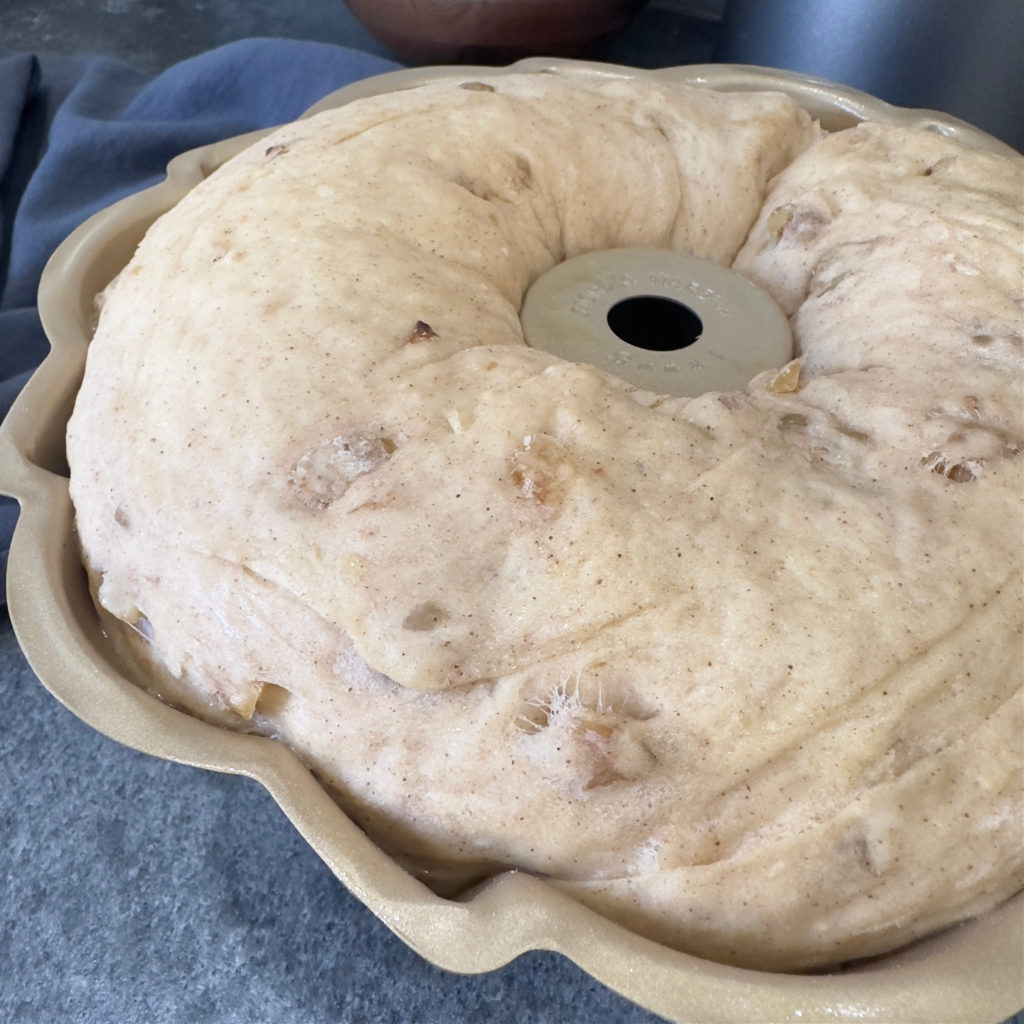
655	323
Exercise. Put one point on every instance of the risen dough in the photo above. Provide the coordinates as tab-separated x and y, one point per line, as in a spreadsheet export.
742	671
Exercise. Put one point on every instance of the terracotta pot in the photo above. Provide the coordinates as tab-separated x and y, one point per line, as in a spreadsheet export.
491	31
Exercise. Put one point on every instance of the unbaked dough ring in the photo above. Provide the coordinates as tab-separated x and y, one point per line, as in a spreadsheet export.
743	671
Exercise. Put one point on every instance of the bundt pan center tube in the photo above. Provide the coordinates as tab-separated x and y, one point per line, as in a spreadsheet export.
634	450
664	320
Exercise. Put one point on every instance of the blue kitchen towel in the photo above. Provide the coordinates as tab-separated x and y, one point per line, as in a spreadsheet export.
78	133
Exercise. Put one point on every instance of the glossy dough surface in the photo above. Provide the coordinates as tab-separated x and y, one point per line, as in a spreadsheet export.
743	672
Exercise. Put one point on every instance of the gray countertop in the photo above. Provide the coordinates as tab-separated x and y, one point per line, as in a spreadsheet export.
133	889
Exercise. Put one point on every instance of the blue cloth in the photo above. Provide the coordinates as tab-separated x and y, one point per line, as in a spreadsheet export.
78	133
